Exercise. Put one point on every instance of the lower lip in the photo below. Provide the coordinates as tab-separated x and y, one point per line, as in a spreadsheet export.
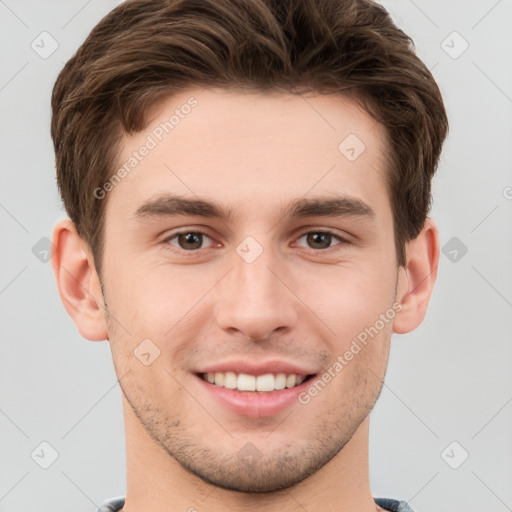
253	404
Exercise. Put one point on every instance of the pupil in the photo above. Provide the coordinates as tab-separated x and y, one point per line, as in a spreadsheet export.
315	239
318	238
191	238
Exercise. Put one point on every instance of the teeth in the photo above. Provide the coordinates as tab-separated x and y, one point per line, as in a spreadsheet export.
265	382
280	381
230	380
244	382
290	381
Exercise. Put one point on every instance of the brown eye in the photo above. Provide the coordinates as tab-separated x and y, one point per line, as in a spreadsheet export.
321	239
188	240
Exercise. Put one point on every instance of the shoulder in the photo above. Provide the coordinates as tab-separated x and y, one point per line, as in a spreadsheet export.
391	505
112	504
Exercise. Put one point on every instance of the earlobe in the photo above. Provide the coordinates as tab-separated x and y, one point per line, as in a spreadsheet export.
77	281
416	280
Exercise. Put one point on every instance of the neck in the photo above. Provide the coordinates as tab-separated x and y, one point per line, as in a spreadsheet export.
156	482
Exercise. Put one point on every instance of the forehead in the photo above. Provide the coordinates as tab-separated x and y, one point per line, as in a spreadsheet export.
251	148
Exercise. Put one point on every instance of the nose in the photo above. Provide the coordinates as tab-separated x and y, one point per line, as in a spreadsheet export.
255	298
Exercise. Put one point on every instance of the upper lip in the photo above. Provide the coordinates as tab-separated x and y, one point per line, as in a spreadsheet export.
255	367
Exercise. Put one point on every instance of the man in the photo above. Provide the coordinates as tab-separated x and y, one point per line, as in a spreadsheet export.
248	184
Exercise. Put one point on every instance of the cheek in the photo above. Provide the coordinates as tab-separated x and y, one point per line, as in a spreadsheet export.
150	299
349	298
158	301
169	300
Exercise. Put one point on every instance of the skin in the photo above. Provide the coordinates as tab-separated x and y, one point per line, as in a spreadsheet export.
299	302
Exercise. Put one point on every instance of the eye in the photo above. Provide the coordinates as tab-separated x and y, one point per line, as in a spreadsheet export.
192	241
322	239
187	240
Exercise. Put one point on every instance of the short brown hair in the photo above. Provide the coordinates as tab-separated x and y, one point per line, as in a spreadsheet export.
145	50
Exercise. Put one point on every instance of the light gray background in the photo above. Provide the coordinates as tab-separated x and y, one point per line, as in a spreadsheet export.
450	380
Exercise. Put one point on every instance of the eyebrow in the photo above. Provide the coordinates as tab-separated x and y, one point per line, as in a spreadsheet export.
172	205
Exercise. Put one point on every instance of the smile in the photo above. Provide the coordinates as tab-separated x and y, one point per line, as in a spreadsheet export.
262	383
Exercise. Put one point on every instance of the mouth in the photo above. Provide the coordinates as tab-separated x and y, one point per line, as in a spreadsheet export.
257	384
253	396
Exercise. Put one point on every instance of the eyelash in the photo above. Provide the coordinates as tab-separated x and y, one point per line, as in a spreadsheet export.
343	241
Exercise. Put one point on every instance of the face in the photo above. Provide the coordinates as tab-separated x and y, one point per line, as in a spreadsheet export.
251	248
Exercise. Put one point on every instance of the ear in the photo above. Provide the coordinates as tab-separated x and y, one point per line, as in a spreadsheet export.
416	280
77	281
